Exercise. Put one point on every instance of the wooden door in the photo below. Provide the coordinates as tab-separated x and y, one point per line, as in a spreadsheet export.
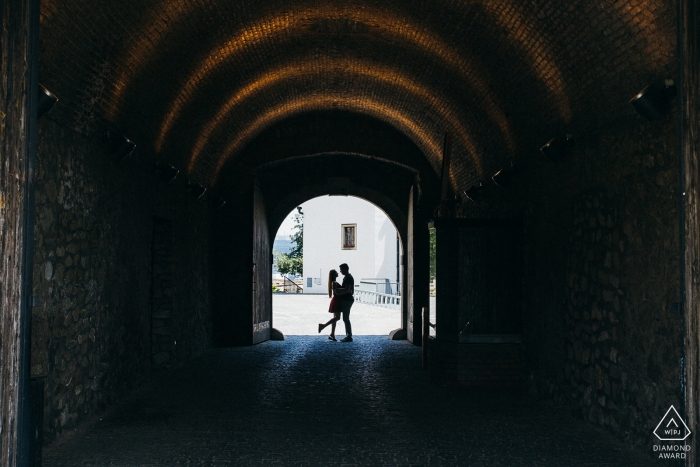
262	267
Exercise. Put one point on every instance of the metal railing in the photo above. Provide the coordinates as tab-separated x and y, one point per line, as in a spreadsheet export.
289	286
395	287
378	299
380	285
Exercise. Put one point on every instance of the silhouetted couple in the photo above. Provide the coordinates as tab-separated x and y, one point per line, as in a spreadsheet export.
341	301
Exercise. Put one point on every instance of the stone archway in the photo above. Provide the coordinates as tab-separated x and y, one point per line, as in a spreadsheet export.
291	182
279	187
375	257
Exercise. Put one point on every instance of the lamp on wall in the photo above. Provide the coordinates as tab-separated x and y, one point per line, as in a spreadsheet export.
442	211
120	145
557	148
654	100
45	101
166	172
474	192
503	178
195	189
218	203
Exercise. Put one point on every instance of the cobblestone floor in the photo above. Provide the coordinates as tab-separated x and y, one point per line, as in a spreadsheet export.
307	401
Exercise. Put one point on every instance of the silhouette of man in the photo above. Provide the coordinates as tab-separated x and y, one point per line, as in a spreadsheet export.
345	294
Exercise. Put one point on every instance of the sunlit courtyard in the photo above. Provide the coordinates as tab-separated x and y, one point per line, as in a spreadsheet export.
299	314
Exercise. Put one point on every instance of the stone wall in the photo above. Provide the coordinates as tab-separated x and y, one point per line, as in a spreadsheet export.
601	273
162	342
97	311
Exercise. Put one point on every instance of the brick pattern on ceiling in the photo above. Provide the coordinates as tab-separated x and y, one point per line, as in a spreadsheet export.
197	80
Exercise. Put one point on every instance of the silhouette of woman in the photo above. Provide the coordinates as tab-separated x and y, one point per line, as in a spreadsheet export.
335	306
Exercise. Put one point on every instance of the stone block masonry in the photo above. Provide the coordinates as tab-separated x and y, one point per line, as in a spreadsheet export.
162	343
120	275
601	274
605	317
623	340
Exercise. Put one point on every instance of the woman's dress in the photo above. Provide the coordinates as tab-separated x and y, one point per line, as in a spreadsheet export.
335	306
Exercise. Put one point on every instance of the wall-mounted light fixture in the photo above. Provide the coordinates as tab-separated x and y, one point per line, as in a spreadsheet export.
442	211
654	100
45	101
474	192
503	178
218	203
120	145
195	189
557	148
166	172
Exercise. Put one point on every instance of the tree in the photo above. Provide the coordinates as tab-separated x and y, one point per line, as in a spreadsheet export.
293	262
297	237
287	265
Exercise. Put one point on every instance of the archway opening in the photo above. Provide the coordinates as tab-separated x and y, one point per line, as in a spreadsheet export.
317	237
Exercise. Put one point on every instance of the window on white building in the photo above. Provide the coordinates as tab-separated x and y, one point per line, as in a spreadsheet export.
349	236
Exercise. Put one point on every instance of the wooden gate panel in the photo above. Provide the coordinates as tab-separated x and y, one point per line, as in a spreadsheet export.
262	267
490	280
18	129
411	313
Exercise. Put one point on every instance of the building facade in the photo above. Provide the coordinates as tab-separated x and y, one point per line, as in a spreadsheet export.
346	229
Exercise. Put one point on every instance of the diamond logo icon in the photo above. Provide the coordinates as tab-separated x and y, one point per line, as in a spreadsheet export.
672	427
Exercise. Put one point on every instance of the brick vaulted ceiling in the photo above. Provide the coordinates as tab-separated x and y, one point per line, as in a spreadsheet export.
198	80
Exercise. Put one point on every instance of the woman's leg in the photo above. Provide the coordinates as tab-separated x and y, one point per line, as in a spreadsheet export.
335	319
329	322
332	320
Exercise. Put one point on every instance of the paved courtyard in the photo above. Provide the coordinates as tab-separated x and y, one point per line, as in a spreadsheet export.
299	314
306	401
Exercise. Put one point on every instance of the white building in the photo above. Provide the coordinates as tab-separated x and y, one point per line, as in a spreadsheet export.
345	229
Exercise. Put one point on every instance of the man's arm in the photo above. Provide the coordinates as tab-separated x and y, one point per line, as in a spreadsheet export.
348	289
